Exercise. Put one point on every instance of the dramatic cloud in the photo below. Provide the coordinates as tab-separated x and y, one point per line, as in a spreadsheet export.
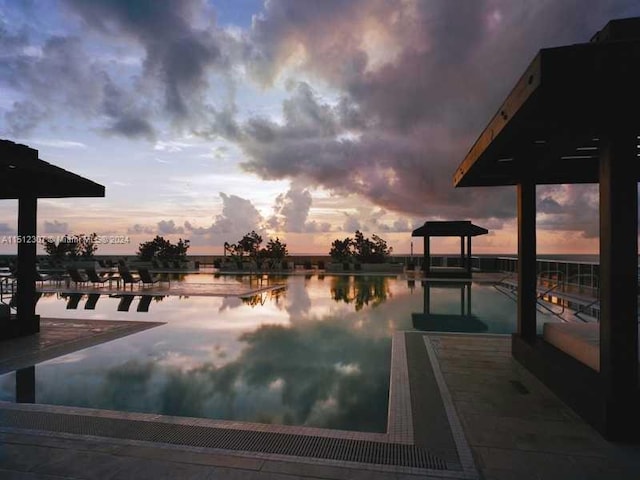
569	207
382	100
292	211
179	56
426	76
239	216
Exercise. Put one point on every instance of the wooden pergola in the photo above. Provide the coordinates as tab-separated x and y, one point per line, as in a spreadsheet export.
26	178
573	118
463	229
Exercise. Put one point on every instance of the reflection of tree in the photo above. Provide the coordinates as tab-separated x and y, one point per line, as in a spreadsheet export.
263	297
361	290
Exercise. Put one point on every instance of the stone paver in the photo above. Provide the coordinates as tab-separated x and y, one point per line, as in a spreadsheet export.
515	426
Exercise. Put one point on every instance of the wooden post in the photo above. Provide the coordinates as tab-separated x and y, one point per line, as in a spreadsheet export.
26	277
469	266
527	259
462	255
619	264
427	255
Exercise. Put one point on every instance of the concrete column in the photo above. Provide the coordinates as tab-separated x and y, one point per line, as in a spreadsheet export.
619	264
526	192
26	294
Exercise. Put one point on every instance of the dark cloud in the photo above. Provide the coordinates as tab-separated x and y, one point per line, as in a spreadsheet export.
23	118
126	117
60	78
178	55
570	207
445	69
411	86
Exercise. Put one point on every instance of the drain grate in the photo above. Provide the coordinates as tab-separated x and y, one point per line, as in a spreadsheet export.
338	449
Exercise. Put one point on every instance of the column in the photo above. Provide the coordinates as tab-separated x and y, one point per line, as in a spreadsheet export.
427	256
618	264
526	192
26	278
469	266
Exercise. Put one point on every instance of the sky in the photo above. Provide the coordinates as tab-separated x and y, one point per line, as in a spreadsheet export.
300	119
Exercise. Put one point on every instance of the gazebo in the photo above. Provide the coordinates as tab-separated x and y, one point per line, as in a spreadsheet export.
26	178
573	118
463	229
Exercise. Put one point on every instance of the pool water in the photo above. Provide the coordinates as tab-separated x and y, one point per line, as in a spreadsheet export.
316	353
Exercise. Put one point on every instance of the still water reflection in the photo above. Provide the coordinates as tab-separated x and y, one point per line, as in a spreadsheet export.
316	353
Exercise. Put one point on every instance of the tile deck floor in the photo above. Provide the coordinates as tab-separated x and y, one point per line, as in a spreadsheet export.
515	428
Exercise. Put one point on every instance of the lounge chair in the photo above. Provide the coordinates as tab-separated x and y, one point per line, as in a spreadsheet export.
94	277
127	276
45	278
76	276
147	278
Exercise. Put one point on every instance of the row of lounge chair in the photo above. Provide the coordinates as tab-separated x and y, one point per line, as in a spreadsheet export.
90	275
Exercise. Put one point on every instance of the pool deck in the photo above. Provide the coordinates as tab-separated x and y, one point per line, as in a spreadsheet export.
504	423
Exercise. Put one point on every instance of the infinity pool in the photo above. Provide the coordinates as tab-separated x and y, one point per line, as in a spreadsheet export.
316	353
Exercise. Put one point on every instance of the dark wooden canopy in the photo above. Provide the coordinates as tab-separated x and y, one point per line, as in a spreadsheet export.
551	125
23	173
458	228
573	118
26	178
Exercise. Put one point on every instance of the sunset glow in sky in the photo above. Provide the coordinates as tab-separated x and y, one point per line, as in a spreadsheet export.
300	119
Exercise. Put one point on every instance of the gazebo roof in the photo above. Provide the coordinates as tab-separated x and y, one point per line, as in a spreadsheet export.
550	125
460	228
24	174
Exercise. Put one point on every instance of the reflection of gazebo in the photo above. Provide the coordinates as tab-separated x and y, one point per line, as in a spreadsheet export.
464	321
26	178
573	118
464	230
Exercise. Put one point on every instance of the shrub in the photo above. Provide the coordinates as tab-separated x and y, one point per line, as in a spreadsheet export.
360	249
163	249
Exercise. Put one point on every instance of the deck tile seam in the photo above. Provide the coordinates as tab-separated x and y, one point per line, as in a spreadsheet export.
464	450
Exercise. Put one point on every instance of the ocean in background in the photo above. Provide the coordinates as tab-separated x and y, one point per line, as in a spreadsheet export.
564	257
